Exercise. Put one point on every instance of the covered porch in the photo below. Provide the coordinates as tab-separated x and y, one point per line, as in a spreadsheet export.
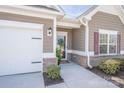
71	36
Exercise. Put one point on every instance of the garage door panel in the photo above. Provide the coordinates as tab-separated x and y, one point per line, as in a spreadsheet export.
18	50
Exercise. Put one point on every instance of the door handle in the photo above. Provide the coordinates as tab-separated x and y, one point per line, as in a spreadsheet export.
36	62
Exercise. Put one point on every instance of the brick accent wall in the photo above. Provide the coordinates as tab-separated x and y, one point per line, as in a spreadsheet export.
47	62
81	60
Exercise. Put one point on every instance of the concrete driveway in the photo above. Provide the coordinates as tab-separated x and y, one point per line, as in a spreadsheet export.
31	80
76	76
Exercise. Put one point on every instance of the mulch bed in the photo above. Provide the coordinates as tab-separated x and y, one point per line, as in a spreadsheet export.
48	81
109	77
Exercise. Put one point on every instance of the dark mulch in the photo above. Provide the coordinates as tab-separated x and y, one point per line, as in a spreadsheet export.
48	81
108	77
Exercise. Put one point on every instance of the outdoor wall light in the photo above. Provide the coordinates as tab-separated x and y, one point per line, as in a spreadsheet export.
49	31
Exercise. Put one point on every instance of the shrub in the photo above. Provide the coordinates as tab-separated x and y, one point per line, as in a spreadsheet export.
122	63
110	66
122	66
53	72
58	55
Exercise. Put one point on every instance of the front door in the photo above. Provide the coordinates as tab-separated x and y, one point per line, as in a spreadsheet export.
62	43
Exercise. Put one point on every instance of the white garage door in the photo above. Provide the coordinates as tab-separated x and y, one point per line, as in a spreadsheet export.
20	47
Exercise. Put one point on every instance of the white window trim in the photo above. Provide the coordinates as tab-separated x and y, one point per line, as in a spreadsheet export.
108	32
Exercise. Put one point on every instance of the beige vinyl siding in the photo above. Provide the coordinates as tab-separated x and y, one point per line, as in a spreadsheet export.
78	39
105	21
69	37
47	41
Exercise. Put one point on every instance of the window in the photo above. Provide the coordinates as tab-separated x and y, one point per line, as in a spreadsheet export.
103	43
112	43
108	43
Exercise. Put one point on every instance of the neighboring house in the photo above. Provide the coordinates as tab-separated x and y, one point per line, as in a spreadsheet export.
29	36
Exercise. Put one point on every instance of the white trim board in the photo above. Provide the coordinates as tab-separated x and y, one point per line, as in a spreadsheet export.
122	52
105	31
23	11
108	32
49	55
81	53
68	25
91	53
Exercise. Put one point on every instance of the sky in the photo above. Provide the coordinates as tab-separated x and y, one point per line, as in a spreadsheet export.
73	11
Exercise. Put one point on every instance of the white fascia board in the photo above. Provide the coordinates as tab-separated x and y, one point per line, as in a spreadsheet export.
60	9
37	9
68	25
6	23
25	12
121	12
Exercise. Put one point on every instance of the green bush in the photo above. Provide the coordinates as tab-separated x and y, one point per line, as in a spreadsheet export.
58	55
110	66
122	66
122	63
53	72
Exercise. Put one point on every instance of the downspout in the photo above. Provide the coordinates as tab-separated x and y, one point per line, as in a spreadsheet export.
87	42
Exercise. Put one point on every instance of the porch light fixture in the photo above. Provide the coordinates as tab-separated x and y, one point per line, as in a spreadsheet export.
49	31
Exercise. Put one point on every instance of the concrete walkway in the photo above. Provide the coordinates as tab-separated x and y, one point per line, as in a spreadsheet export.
30	80
76	76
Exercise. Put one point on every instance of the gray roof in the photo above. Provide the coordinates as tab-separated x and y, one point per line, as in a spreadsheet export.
43	6
88	11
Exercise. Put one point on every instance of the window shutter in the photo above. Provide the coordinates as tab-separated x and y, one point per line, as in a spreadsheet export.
96	43
118	43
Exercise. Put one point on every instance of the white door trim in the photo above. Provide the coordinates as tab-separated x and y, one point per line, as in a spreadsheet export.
66	35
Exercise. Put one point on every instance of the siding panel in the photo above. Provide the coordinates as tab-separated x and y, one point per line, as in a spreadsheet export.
78	39
105	21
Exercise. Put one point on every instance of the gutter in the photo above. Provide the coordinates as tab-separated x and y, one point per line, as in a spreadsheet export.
87	43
